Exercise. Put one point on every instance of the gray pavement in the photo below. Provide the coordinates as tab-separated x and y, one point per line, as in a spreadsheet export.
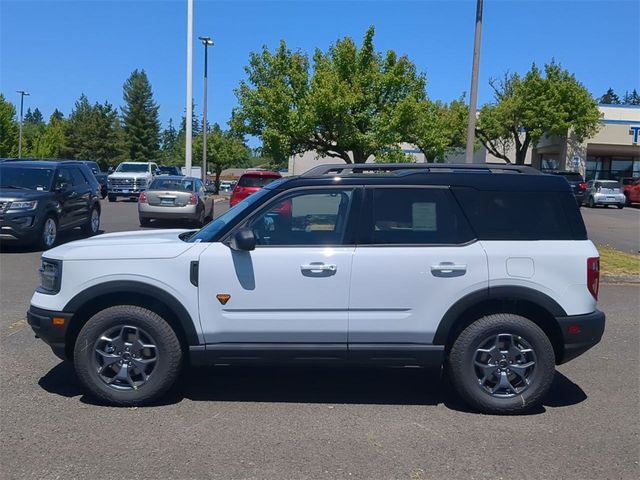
311	423
617	228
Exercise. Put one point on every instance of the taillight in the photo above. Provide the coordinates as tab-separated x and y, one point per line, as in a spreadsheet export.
593	275
142	198
582	186
194	199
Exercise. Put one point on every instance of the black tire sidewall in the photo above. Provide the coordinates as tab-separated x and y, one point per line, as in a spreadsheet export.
164	373
41	242
460	365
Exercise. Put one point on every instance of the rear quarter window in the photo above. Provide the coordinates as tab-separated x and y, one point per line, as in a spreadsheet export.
499	215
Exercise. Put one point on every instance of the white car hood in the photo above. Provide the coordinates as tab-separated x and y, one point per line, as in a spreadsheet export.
136	245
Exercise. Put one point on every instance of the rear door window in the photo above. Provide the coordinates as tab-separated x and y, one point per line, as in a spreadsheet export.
415	216
78	178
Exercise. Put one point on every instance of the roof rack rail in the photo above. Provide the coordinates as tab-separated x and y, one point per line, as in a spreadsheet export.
408	168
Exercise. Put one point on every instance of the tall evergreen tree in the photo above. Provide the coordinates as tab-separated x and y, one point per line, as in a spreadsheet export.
57	114
632	98
50	144
8	128
169	137
141	126
610	98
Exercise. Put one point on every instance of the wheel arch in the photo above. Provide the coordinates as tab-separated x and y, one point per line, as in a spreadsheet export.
529	303
87	303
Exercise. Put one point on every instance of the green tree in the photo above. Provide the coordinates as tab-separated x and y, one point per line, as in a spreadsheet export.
610	98
224	150
141	126
632	98
33	118
356	102
8	128
92	133
526	108
51	143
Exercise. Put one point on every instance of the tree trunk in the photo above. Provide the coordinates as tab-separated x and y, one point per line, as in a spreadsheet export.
359	156
217	180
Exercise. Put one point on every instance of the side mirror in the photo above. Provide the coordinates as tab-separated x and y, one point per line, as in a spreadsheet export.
157	171
243	240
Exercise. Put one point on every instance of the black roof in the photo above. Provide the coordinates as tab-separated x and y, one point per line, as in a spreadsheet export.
40	163
478	176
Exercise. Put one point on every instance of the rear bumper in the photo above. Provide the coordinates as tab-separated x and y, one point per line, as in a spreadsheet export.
609	199
191	212
41	322
580	333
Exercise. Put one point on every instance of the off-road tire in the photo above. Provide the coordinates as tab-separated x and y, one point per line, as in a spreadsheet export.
168	352
462	371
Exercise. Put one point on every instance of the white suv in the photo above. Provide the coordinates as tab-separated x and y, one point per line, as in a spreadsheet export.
486	270
130	179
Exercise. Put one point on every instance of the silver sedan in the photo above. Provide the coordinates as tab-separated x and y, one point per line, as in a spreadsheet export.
175	198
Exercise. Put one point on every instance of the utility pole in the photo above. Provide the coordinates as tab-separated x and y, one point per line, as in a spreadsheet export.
473	100
207	42
22	95
189	112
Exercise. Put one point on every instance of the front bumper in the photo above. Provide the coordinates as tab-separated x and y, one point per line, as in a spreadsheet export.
580	333
53	334
20	225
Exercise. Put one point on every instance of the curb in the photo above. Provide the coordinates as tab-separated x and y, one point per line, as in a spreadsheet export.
621	279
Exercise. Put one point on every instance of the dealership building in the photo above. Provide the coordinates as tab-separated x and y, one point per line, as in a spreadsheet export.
613	152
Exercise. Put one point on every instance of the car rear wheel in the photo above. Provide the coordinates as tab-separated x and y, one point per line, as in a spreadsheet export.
145	222
92	227
112	198
49	233
502	364
592	204
127	355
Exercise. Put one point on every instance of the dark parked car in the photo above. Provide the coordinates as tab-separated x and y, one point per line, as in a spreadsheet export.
169	170
577	183
99	174
38	199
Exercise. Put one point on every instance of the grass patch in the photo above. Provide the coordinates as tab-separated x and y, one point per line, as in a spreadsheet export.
615	262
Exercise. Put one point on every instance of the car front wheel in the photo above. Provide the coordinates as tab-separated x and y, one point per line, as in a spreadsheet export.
592	204
127	355
502	364
48	233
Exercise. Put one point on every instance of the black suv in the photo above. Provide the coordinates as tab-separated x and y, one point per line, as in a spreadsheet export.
576	182
38	199
101	176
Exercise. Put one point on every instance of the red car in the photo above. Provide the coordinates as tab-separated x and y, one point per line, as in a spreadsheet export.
251	182
631	190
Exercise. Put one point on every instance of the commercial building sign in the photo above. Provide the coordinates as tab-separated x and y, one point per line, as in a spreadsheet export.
635	131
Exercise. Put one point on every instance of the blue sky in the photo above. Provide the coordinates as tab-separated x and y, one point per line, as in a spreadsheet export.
59	49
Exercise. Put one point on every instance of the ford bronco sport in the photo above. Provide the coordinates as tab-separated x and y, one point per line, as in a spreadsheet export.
404	265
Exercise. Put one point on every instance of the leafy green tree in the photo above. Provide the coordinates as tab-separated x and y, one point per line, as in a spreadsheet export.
8	128
526	108
224	150
610	98
356	102
141	126
51	143
632	98
57	114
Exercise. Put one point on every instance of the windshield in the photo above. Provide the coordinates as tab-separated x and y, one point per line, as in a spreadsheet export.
172	184
168	169
211	230
572	177
26	178
132	167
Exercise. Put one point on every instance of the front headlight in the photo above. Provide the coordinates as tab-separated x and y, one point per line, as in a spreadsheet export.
50	276
23	205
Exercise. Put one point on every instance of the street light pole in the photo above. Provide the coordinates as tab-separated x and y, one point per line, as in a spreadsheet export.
207	42
473	100
22	95
189	112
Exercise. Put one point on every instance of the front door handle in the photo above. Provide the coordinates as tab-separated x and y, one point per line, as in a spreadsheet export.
448	269
318	267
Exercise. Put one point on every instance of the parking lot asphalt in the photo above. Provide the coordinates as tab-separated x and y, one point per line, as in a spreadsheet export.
311	423
617	228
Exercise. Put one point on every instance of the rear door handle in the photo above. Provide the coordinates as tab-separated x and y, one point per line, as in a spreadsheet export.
448	269
318	267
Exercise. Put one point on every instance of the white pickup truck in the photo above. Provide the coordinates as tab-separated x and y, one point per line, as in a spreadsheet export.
130	178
